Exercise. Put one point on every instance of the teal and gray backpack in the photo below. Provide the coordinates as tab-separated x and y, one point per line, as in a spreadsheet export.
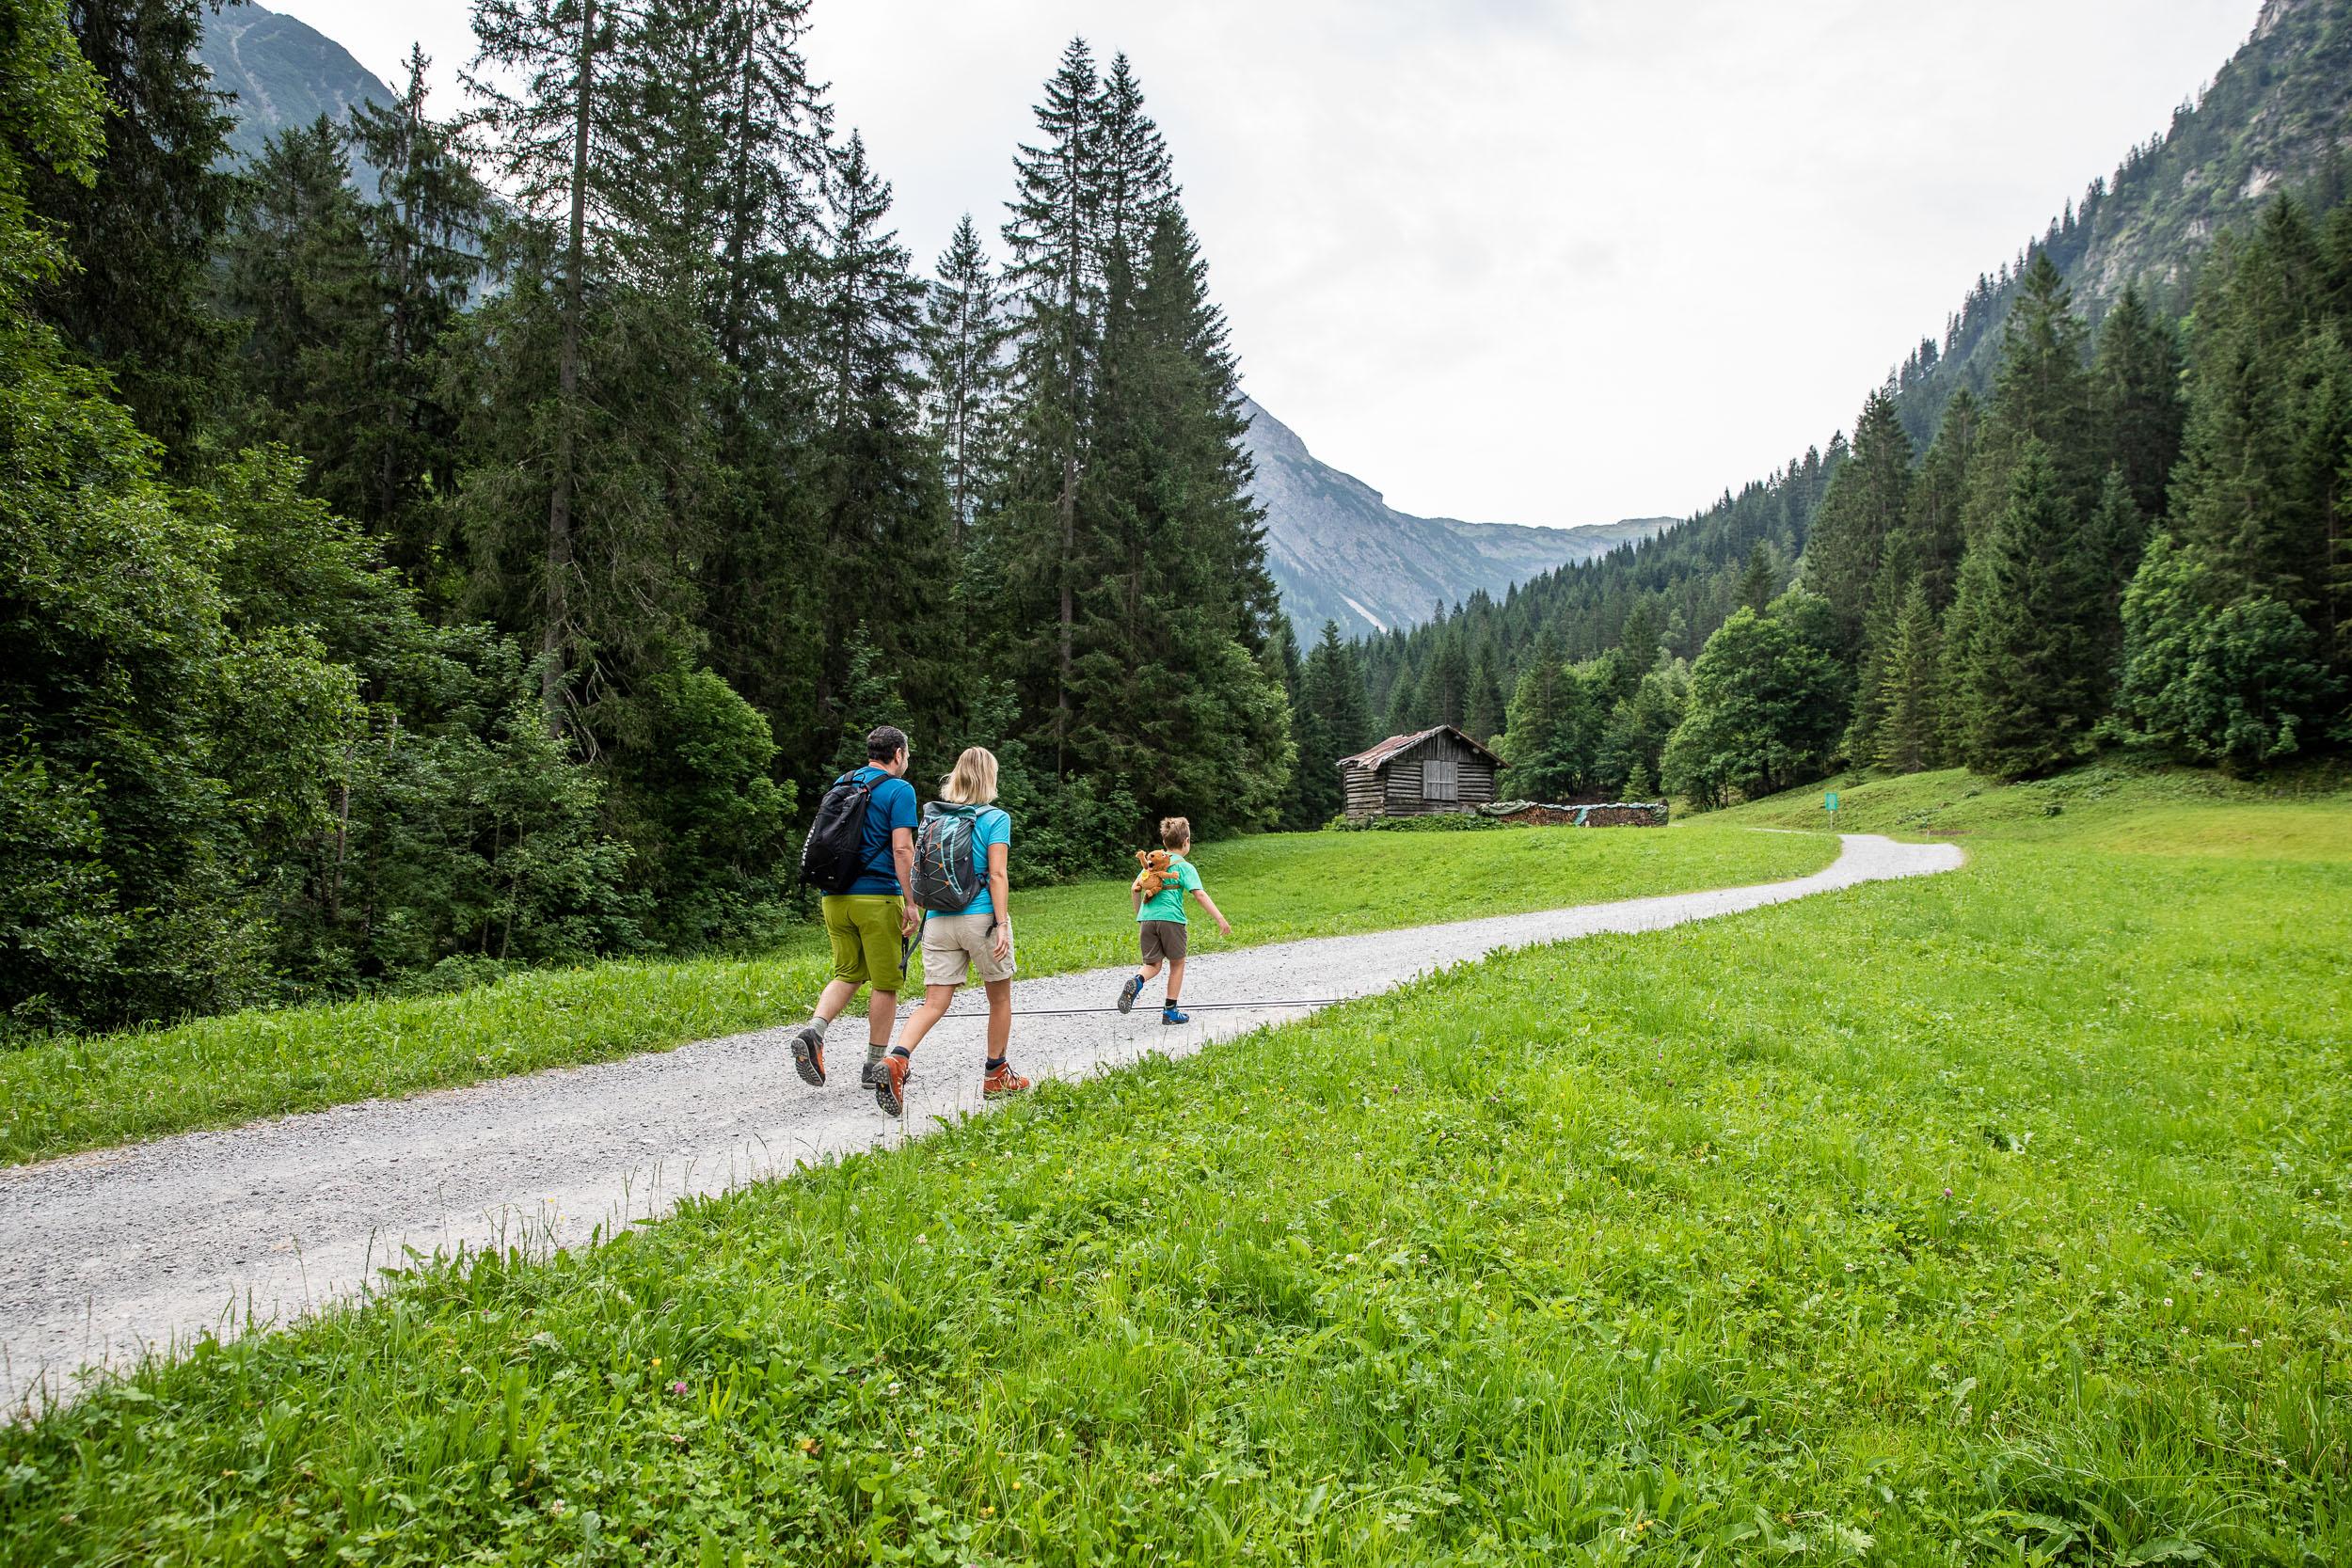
946	880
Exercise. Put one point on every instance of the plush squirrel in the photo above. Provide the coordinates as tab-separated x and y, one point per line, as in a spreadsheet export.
1158	871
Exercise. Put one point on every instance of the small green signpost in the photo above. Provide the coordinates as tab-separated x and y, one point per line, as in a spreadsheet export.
1832	800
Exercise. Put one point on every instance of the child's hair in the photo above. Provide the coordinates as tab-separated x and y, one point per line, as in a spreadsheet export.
1176	832
974	780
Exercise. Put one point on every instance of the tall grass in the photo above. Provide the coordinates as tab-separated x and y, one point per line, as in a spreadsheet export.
1993	1217
72	1094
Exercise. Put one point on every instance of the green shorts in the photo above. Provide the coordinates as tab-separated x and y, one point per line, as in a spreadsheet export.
864	931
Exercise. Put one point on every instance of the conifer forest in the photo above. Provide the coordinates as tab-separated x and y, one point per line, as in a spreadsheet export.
481	562
450	542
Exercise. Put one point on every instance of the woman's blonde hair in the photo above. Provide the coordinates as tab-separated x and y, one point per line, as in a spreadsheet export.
1176	832
974	780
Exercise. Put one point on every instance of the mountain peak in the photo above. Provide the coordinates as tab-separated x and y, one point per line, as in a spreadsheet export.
1340	552
281	73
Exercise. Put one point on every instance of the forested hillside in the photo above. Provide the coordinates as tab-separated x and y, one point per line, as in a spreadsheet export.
2139	305
398	584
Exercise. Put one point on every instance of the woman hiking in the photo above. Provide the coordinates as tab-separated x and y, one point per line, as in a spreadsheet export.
977	936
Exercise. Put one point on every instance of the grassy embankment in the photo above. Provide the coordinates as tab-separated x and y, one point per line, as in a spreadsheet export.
72	1094
1999	1216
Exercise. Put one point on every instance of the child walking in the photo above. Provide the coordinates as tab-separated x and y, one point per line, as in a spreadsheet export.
1160	924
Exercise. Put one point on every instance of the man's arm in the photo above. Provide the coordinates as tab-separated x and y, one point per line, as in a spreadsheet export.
1000	897
902	857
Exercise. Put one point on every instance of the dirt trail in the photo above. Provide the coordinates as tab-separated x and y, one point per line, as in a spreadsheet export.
105	1254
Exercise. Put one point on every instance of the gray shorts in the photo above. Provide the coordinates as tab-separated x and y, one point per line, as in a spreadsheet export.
1161	938
954	945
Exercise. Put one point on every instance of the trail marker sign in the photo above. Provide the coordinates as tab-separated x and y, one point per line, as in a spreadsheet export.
1832	800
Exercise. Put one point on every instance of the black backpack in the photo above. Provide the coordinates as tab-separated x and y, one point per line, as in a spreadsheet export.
946	878
834	855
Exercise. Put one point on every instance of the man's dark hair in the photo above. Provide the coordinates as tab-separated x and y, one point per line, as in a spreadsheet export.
884	742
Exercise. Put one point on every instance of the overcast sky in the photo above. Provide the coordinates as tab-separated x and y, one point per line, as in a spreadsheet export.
1525	262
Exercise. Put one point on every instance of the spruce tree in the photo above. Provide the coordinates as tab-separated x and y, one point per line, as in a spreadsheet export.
140	235
1910	687
588	490
2137	376
422	218
297	279
883	504
2042	391
1169	692
1934	529
969	372
1880	623
1758	583
758	205
1483	714
1335	693
556	143
1052	232
1862	509
2029	689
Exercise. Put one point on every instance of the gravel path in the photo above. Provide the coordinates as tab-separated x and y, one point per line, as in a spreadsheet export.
106	1254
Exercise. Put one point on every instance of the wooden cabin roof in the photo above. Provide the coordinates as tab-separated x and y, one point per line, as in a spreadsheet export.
1396	745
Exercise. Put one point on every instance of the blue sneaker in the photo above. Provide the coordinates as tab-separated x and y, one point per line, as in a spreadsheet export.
1174	1015
1128	993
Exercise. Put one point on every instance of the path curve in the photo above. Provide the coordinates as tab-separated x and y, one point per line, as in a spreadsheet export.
108	1253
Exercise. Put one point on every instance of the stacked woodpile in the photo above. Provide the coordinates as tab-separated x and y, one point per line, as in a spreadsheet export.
1611	814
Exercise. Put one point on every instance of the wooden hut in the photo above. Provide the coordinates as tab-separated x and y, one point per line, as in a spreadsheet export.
1411	775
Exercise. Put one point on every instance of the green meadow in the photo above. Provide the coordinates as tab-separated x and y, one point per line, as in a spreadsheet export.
2003	1216
65	1095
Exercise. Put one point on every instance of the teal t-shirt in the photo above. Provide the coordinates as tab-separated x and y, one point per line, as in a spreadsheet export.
991	826
1169	903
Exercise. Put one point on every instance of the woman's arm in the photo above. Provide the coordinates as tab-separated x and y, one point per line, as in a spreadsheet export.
1000	895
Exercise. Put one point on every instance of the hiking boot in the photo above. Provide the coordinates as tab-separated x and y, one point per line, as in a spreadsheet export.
1003	1081
808	1056
868	1075
890	1084
1174	1015
1128	993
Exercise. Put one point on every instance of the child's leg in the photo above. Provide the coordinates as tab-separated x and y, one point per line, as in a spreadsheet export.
1175	981
1150	968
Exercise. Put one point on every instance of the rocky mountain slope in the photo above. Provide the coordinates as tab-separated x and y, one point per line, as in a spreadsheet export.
2277	116
1341	553
282	72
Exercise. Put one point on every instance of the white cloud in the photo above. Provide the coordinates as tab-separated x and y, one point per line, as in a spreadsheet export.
1529	261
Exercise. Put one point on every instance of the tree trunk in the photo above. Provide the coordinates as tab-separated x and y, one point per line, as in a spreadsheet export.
556	637
1069	508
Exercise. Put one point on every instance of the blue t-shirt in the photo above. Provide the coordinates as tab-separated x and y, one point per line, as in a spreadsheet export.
991	825
893	807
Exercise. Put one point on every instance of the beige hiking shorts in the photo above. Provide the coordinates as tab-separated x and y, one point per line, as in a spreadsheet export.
953	942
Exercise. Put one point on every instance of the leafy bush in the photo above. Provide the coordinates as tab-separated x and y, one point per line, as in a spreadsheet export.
1767	706
2236	682
706	818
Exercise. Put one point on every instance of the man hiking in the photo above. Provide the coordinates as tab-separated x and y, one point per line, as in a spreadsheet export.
868	920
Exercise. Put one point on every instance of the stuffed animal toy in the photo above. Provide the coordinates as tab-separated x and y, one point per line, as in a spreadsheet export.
1158	871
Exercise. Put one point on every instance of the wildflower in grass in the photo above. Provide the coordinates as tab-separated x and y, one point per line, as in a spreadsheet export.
678	1389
